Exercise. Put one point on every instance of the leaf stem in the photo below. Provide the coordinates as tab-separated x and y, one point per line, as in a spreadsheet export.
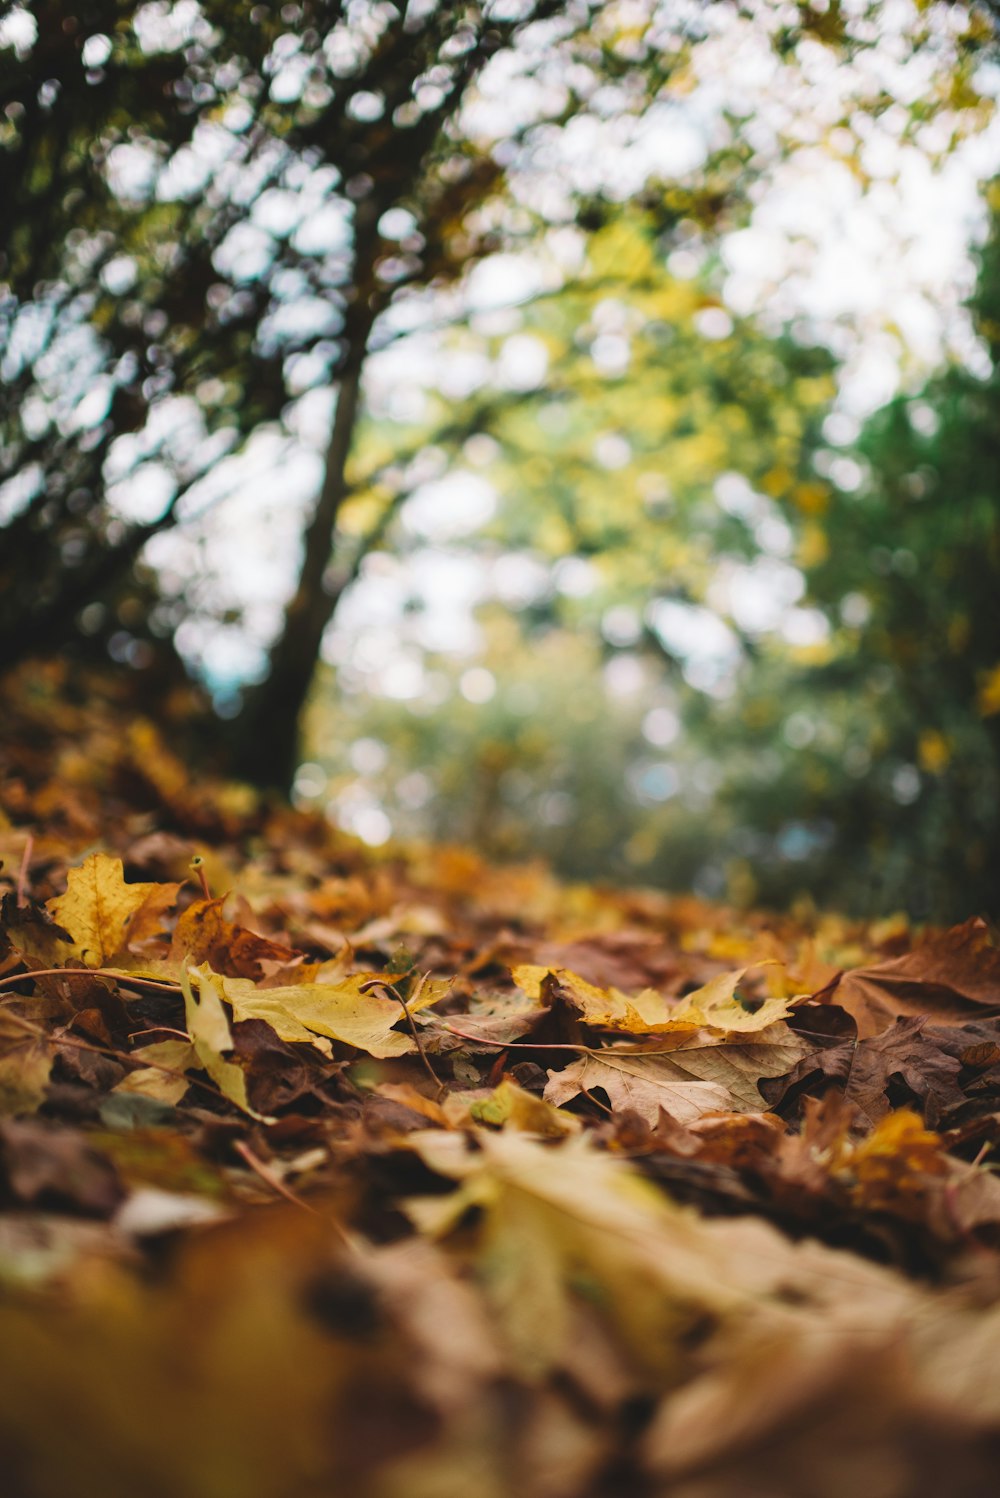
270	1177
375	985
22	873
198	864
108	1050
89	972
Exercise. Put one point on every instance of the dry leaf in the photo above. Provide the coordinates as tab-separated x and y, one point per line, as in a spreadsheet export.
25	1064
340	1011
152	1082
949	976
692	1079
98	907
644	1084
208	1027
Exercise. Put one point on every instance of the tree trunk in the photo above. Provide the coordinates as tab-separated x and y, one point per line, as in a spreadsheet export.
267	730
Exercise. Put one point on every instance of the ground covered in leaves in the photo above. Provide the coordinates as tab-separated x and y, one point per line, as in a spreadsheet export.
405	1176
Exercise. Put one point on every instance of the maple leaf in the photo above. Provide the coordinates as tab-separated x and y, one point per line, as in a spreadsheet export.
318	1012
605	1008
98	908
687	1082
210	1035
208	1027
951	976
917	1063
716	1007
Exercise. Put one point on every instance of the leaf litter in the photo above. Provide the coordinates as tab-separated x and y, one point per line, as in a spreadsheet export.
324	1171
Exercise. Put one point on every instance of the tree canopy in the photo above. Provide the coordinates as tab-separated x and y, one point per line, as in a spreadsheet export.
212	214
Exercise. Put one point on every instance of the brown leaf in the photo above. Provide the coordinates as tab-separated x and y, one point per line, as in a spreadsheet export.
698	1075
642	1084
903	1064
203	935
950	976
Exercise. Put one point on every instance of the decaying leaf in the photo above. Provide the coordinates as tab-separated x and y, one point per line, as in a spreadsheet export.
698	1076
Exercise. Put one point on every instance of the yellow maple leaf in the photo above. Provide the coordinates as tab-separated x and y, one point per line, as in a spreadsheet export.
637	1014
716	1007
208	1028
98	907
318	1012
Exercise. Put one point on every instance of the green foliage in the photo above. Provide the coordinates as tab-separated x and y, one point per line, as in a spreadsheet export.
903	723
863	769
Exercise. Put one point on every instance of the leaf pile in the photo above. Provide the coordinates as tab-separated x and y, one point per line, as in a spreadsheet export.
407	1176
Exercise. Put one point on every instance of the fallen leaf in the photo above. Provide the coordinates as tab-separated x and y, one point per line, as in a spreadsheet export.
341	1011
915	1062
510	1104
25	1064
949	976
644	1084
152	1082
147	920
548	1223
98	907
208	1027
693	1078
204	937
37	939
716	1007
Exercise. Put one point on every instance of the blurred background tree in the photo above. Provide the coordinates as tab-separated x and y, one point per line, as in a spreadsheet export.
830	727
325	310
890	749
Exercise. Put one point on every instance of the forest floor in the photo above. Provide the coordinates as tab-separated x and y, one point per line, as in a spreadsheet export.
399	1175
